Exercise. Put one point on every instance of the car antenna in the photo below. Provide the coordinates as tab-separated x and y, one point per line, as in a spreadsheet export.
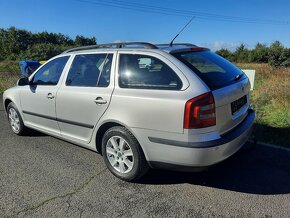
171	43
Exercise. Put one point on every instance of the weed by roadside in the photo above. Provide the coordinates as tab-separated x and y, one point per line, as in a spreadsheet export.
9	74
271	100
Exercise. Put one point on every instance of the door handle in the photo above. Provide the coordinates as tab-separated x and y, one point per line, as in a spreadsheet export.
100	100
50	96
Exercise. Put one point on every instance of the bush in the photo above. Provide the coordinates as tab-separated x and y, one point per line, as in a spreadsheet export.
276	55
43	51
260	54
16	44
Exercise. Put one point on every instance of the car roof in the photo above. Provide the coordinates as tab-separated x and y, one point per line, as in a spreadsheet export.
169	48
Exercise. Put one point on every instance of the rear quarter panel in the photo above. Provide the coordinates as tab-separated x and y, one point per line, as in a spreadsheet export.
158	110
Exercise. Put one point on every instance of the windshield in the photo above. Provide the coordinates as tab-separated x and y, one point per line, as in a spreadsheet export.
214	70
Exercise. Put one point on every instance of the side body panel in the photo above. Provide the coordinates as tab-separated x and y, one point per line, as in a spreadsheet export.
38	109
77	109
153	112
158	110
38	104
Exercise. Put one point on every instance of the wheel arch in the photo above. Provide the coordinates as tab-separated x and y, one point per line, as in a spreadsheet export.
7	101
107	125
101	131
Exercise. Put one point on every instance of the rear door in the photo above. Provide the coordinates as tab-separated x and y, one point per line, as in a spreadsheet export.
150	93
85	95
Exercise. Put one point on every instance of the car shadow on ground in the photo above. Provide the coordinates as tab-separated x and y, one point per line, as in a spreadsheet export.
262	170
273	135
34	133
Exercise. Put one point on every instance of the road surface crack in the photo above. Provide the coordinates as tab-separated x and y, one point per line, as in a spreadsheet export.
68	194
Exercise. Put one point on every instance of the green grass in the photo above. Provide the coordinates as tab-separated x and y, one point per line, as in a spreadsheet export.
9	74
271	100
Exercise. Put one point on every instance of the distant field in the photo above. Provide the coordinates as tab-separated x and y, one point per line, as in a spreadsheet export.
270	99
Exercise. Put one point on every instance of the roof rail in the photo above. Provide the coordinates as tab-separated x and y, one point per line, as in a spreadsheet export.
169	45
112	45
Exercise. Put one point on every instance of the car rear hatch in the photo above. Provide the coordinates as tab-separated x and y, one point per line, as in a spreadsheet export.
232	104
228	84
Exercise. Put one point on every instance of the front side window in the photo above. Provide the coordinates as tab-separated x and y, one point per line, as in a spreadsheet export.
90	70
50	73
146	72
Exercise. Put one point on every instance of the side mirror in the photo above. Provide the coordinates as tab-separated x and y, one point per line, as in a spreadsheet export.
23	81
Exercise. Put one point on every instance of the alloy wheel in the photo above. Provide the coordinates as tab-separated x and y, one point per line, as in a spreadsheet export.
14	120
120	154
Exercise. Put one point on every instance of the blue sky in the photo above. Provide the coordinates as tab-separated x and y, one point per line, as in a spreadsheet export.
108	24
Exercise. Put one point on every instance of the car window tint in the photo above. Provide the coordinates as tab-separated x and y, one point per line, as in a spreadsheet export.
146	72
214	70
50	73
90	70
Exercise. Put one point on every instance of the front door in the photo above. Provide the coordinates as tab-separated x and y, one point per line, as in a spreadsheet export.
38	98
85	96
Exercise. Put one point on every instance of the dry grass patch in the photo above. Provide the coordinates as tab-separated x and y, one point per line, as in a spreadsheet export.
9	74
271	100
8	80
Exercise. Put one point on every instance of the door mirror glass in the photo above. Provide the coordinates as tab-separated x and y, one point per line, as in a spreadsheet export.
23	81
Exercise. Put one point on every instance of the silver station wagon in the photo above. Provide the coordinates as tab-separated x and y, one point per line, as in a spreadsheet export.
140	105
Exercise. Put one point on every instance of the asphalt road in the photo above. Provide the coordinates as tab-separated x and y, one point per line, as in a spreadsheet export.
41	176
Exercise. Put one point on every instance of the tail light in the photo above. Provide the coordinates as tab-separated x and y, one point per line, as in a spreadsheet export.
200	112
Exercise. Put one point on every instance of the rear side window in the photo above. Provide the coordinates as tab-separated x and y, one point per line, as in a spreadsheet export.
146	72
90	70
214	70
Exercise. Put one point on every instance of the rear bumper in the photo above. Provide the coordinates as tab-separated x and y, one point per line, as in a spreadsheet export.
205	153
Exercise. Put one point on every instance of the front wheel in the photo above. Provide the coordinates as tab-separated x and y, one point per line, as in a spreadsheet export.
15	120
123	155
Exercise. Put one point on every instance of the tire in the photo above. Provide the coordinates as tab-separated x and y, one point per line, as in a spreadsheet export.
15	120
123	154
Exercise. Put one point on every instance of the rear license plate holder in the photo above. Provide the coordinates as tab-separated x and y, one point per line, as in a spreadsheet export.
238	104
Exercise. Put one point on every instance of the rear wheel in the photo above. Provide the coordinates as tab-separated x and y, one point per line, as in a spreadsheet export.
123	155
15	120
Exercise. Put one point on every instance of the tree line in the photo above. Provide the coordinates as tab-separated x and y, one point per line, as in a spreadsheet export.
17	44
276	54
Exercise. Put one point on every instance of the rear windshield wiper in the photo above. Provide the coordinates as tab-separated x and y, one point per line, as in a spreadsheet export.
237	77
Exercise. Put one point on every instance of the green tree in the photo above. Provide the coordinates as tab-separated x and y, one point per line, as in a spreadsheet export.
43	51
225	53
260	54
241	54
83	41
286	57
13	41
276	55
52	38
16	44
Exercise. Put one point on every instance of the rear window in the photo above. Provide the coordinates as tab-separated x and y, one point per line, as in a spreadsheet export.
214	70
